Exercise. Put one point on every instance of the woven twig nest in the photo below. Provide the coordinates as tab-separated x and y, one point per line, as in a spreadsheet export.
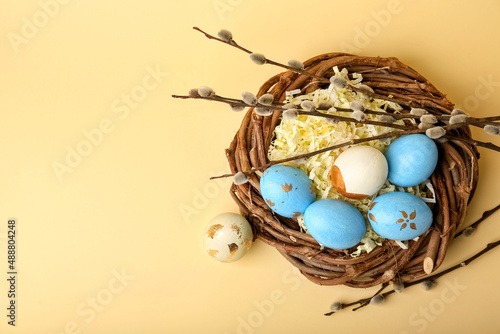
454	179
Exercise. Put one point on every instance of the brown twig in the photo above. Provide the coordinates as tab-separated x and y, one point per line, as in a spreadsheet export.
365	301
233	43
474	142
485	215
279	106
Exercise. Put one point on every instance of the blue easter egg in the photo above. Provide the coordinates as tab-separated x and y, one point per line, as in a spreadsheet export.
287	190
399	216
334	223
411	159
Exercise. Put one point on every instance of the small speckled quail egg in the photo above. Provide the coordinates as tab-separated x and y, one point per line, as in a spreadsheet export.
227	237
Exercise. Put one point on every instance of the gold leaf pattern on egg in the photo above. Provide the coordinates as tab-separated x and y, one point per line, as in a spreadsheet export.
214	230
372	217
296	214
233	248
270	203
412	216
313	189
287	187
236	229
372	205
213	252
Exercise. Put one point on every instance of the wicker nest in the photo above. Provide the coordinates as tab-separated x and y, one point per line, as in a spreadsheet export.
454	179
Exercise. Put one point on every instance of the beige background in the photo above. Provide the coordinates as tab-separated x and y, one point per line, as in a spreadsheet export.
111	242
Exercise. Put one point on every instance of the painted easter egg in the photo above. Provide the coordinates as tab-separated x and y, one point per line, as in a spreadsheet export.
411	159
334	223
227	237
287	190
399	216
359	172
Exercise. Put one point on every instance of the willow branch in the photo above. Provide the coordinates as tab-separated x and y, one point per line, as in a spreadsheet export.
233	43
279	106
485	215
365	301
474	142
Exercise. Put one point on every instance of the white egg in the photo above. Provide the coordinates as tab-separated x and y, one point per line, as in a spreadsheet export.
227	237
359	172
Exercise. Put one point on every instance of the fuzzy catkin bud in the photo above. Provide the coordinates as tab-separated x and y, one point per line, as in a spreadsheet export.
428	284
398	287
456	119
425	125
308	105
240	178
266	99
418	111
357	105
290	114
332	121
492	129
324	105
377	300
237	108
469	231
435	132
358	115
289	106
338	82
298	65
457	112
365	89
193	92
249	98
258	58
386	118
431	119
337	306
263	111
225	35
442	140
205	91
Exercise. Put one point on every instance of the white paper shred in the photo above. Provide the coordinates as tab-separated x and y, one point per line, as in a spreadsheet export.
307	133
429	186
402	244
293	92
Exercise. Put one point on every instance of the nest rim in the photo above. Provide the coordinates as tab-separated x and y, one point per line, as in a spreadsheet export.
454	180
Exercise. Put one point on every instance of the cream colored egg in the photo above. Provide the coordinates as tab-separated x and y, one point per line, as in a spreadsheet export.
359	172
227	237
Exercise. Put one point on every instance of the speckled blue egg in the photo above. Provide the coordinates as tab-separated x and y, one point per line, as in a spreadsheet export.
334	223
399	216
411	159
287	190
